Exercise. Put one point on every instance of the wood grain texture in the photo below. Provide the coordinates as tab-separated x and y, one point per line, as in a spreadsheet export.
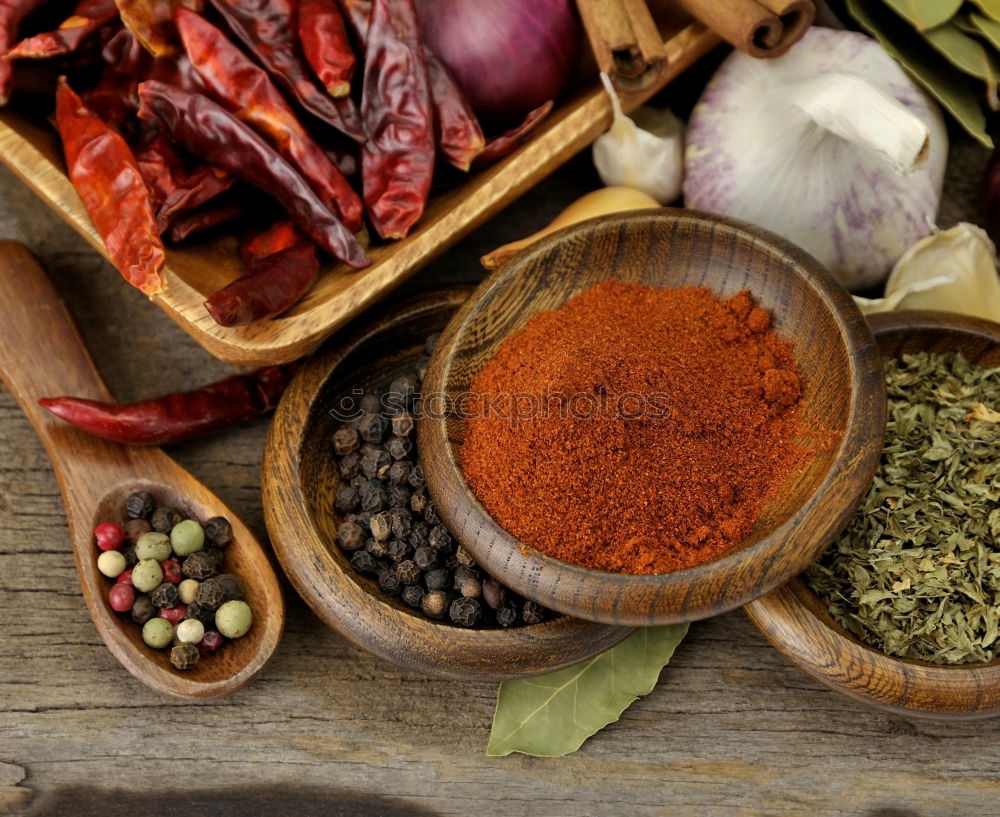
798	623
844	393
42	355
198	268
330	730
299	483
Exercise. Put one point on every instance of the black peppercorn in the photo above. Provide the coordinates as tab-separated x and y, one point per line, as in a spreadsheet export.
357	481
398	496
431	515
346	499
463	572
210	594
218	531
401	523
381	525
437	579
402	392
465	612
439	538
345	441
131	560
418	501
434	604
164	519
350	537
532	613
135	528
376	547
232	588
375	464
416	479
389	583
140	505
143	609
372	428
403	425
399	472
493	592
470	588
363	562
408	572
507	613
463	557
184	656
349	466
373	496
201	612
413	594
165	595
398	448
217	554
419	534
199	565
397	549
425	557
371	403
368	448
364	521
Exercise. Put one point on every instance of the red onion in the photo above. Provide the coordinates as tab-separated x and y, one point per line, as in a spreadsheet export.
509	56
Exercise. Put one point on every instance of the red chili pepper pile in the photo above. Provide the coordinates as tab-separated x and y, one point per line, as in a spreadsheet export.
173	111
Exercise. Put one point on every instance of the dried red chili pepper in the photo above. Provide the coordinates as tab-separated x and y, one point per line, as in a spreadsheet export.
12	12
181	416
105	174
459	136
267	28
245	90
87	17
126	55
397	162
358	13
205	129
507	142
114	99
325	44
281	265
152	22
203	219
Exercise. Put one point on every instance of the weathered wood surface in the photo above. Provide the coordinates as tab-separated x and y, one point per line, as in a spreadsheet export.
732	729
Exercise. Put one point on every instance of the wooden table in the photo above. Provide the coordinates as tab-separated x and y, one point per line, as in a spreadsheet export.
329	730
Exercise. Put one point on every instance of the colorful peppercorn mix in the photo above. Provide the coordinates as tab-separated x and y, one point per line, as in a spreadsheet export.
389	529
166	574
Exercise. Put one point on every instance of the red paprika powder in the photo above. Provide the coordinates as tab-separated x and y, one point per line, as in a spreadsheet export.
636	430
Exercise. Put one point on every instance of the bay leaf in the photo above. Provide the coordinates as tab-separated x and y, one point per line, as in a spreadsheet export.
991	8
925	14
943	81
552	715
968	54
988	27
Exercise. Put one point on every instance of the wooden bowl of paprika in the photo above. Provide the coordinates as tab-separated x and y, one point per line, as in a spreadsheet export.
299	482
819	330
798	623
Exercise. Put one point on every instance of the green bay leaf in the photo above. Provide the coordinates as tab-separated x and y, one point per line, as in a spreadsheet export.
987	27
552	715
968	54
991	8
943	81
925	14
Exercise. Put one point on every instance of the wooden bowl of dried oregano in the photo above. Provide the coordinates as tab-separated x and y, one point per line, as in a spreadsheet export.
901	611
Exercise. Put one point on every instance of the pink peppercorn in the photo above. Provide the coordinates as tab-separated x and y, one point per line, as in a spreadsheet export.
172	571
121	597
109	536
175	615
125	577
210	643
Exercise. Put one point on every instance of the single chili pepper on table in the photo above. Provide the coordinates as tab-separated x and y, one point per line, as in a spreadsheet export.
281	265
87	17
267	28
246	91
205	129
12	12
105	174
325	44
397	162
507	142
180	416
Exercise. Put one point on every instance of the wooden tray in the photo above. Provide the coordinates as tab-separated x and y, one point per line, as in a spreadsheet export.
196	269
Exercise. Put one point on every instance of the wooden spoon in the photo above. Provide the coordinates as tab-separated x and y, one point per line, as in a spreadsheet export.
42	354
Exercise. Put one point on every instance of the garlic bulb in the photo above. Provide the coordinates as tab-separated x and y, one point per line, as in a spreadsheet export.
953	271
645	152
832	146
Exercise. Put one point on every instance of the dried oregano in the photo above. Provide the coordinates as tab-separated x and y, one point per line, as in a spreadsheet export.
916	574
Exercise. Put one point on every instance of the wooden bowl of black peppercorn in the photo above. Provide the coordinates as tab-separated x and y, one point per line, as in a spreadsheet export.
397	587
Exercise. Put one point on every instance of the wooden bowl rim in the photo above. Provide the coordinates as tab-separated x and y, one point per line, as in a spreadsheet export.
794	608
866	418
281	486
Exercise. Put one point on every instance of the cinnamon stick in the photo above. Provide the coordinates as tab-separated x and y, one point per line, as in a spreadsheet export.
761	28
625	40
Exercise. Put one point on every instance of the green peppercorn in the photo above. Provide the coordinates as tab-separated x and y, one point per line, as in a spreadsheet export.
233	619
158	633
143	609
434	604
147	575
218	531
184	655
153	546
187	537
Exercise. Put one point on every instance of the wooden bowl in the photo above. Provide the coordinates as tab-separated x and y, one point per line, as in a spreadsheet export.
667	247
299	480
797	622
